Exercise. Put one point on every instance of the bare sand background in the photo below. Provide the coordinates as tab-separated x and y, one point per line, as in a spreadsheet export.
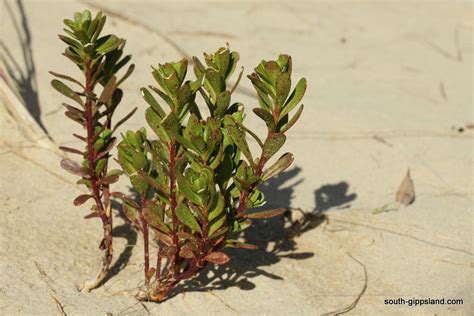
390	88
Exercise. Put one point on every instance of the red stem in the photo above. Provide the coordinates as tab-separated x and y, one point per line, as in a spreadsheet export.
158	263
91	156
173	206
146	252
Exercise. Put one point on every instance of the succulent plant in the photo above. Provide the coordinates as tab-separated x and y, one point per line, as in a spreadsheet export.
196	176
95	97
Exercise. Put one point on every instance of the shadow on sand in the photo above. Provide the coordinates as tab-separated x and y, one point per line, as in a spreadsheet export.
274	237
21	68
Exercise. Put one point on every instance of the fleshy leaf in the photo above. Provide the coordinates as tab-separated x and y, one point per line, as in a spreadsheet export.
266	214
266	116
217	257
108	90
295	97
73	167
273	144
71	150
231	243
238	136
65	90
155	220
186	217
81	199
293	119
281	165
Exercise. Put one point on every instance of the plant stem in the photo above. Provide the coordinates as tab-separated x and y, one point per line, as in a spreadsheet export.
244	195
258	170
158	263
173	207
104	212
145	239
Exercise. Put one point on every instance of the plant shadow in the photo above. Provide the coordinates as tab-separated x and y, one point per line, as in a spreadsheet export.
126	231
274	237
22	75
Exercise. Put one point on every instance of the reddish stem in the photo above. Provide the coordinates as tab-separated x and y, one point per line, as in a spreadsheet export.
145	239
173	206
158	264
91	156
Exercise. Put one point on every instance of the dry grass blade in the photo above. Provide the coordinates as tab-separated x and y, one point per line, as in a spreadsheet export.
59	306
354	304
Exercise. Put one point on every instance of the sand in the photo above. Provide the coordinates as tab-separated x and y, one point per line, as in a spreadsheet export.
390	88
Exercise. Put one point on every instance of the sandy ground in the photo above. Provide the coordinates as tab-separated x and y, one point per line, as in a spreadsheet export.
390	88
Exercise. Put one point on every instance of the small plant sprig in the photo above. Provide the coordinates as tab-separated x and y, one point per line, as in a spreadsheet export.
198	179
99	58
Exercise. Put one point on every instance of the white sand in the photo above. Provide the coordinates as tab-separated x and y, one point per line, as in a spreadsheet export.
387	82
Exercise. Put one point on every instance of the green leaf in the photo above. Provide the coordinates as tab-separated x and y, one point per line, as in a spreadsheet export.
186	217
256	199
281	165
185	189
148	97
216	215
184	95
283	86
295	97
70	23
241	225
100	165
139	160
98	30
65	90
273	144
139	185
170	124
78	19
131	213
114	172
127	74
107	43
293	119
213	83
261	86
234	58
266	116
222	103
153	182
238	137
217	208
154	218
155	122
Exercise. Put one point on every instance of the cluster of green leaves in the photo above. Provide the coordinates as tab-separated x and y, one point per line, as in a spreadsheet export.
197	177
96	96
99	59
